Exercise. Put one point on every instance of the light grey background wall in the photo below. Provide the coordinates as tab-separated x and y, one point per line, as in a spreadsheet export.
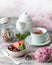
42	9
14	8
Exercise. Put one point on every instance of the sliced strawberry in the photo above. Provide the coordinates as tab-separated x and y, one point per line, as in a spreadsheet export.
17	44
22	42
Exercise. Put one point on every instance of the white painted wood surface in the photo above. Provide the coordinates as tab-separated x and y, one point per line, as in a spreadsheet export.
7	61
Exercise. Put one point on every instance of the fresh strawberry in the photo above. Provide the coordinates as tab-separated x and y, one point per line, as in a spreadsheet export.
19	45
16	44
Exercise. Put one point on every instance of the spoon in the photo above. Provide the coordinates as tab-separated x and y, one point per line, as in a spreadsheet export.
4	53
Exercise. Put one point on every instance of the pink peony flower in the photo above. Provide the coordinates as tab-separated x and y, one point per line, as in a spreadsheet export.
43	54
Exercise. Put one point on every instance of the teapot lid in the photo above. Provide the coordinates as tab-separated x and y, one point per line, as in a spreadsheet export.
25	17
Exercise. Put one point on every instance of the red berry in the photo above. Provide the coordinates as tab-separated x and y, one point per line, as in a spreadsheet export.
10	47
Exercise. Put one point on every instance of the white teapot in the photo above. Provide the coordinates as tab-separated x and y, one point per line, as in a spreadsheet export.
24	23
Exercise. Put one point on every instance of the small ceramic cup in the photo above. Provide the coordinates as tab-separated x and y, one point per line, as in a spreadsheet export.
39	35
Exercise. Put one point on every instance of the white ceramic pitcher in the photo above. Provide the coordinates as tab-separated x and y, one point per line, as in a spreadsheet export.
24	23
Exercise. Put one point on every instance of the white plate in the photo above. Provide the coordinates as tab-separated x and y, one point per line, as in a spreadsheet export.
28	41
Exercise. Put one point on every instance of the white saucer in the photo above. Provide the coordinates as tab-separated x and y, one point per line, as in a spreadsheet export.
28	41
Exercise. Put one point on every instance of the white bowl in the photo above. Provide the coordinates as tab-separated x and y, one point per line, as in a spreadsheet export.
16	54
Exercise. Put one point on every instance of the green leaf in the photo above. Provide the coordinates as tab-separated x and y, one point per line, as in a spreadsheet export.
21	48
18	36
21	36
24	46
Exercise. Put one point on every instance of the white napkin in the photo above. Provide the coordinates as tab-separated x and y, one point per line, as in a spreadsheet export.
4	54
4	20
